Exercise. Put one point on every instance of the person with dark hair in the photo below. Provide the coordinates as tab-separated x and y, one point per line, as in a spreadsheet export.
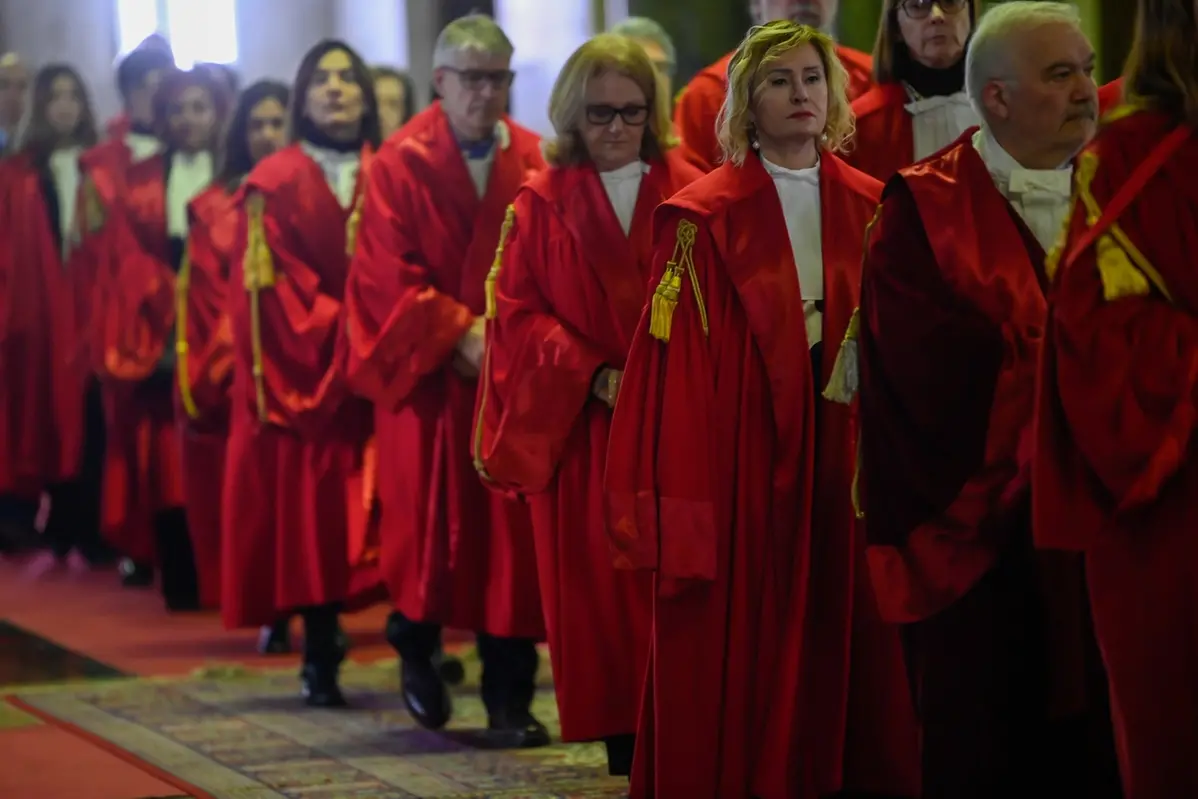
51	428
14	80
1115	473
919	103
396	94
699	103
297	437
204	341
451	552
144	499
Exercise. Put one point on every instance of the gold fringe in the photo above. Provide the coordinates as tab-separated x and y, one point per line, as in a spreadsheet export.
182	372
1119	278
665	296
259	273
844	380
492	307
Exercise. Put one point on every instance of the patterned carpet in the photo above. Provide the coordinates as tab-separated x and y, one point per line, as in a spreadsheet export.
247	736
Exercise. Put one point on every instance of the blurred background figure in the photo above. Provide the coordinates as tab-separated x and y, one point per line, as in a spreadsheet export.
14	81
396	96
656	43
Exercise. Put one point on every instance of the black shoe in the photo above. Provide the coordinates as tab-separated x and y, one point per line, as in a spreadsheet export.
425	694
516	730
450	668
275	639
135	575
97	553
320	687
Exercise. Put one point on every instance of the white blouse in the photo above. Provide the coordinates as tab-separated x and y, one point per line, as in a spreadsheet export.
340	170
798	191
623	185
64	168
1039	196
937	122
189	175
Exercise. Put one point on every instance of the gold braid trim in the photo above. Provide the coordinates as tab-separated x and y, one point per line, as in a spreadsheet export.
259	273
509	219
182	373
665	296
93	209
1122	267
355	219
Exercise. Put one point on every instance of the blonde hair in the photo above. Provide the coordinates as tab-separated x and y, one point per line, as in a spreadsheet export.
764	45
567	104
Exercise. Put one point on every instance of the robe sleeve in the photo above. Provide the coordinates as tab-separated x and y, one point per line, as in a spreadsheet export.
1126	375
660	505
6	254
400	325
205	338
293	325
137	306
695	117
537	372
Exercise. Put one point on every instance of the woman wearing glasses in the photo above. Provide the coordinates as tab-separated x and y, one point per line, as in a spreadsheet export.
919	105
729	476
565	298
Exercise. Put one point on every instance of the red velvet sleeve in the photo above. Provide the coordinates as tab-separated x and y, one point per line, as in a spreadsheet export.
658	483
1126	375
400	326
538	371
694	118
205	342
297	330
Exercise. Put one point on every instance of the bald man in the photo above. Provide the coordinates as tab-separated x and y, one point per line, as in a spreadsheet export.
14	81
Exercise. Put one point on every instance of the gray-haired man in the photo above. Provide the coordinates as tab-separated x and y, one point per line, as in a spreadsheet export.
451	552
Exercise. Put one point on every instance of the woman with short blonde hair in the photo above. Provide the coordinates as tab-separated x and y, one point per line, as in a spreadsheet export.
563	302
729	476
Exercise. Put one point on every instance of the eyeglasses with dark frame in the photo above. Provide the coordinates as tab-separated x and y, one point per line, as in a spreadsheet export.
633	115
921	9
474	79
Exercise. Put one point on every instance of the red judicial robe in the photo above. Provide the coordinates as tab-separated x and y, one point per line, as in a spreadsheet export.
1110	96
770	672
1114	473
884	141
134	319
699	103
569	298
296	436
451	552
204	375
42	311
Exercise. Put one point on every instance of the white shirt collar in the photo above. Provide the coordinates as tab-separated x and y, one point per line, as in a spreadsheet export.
1010	176
808	175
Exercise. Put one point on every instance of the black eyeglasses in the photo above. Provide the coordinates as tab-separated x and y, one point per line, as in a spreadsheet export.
474	79
920	9
633	115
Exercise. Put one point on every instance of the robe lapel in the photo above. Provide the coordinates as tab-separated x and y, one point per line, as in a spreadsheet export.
842	231
146	192
761	266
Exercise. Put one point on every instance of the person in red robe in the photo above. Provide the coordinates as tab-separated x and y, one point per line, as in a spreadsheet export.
1006	680
729	478
49	436
205	341
1114	473
567	292
297	437
102	169
919	104
1110	96
143	504
452	553
700	101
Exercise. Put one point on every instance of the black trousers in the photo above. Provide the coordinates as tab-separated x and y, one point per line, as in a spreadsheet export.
980	681
509	664
74	520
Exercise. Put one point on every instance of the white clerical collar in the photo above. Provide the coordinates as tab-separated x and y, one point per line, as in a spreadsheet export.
1003	166
808	175
631	171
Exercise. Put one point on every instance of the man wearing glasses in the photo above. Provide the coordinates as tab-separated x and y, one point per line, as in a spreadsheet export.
452	552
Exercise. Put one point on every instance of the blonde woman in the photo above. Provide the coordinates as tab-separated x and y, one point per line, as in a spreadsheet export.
728	475
567	299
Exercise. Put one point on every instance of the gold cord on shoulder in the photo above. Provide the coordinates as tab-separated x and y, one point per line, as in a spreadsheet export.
182	371
259	273
665	296
489	289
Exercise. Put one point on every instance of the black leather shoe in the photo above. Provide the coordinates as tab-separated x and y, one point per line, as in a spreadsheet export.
135	575
425	694
275	639
517	730
320	687
450	668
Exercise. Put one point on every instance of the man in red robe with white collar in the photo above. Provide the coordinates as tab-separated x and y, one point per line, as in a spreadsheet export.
952	315
451	552
700	102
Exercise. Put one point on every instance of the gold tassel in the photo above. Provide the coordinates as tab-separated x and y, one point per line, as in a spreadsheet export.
492	307
1119	277
351	226
665	296
93	208
259	273
182	372
844	381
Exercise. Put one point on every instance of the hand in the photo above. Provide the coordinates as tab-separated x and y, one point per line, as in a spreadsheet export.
606	386
472	346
